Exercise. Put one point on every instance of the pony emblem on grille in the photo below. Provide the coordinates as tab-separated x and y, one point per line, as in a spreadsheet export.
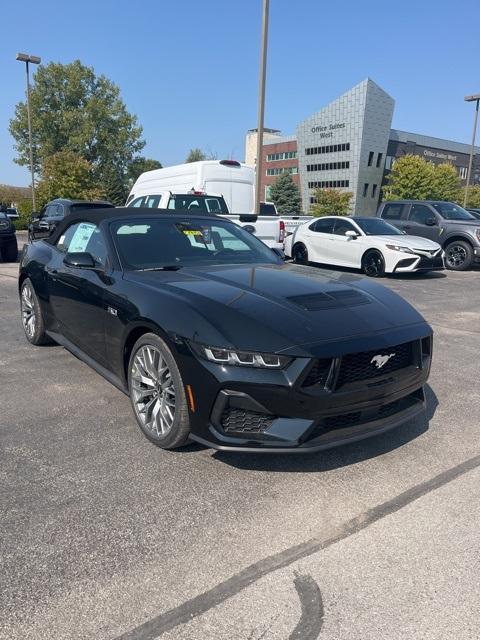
379	361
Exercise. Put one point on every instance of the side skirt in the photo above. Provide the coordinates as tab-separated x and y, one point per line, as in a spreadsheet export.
81	355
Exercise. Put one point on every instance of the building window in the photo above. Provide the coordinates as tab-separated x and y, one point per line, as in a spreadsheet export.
370	158
463	172
365	189
329	166
374	190
286	155
328	184
389	163
379	159
278	171
332	148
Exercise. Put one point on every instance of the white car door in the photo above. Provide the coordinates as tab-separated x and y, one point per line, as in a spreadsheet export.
346	250
317	238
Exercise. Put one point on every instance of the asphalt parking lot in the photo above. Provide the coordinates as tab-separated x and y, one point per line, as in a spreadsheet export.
104	536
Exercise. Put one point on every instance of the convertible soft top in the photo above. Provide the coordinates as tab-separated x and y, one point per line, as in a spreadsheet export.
96	216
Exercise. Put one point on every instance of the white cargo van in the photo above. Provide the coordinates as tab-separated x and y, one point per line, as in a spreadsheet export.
220	187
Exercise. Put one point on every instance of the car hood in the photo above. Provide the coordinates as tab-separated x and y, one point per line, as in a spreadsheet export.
285	307
412	242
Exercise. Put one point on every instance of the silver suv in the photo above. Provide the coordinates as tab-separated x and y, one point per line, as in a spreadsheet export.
447	223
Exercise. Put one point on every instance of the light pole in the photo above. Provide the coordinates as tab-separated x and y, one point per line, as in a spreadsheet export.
261	107
475	98
24	57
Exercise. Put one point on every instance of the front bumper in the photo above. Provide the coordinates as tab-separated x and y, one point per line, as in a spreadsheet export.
273	411
417	263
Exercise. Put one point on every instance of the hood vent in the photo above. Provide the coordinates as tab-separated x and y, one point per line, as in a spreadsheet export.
330	300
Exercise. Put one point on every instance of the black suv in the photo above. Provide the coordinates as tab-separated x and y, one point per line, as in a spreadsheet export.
447	223
8	239
43	223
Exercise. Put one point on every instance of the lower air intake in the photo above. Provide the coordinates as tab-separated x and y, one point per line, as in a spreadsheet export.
241	421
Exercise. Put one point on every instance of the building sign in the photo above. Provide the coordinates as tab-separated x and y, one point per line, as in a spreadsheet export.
438	155
328	130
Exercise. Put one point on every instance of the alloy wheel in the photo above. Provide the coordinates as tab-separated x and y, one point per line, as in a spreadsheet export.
153	391
28	311
301	254
373	265
455	256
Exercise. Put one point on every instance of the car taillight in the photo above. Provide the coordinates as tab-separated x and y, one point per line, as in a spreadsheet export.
282	231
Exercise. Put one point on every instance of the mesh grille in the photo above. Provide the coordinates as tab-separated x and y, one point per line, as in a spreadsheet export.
363	366
239	420
318	374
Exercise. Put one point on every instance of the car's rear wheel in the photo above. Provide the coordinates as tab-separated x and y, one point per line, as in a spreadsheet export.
300	253
32	319
157	393
373	264
10	252
458	255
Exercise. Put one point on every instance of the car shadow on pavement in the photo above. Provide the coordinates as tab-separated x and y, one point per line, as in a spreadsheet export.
338	457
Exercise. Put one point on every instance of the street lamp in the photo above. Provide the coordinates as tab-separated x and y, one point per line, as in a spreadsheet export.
24	57
261	106
474	98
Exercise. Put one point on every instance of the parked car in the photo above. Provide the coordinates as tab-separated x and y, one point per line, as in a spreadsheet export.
447	223
369	244
218	340
12	213
475	213
44	222
8	239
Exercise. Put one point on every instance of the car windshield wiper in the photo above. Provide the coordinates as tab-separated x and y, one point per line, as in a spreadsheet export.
165	267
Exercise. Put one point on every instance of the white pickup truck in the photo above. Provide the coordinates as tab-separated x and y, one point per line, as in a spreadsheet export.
204	188
291	221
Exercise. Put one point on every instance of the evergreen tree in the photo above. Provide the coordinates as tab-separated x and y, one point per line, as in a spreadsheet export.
195	155
286	195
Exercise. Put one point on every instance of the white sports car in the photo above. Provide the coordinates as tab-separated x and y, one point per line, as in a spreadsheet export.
369	244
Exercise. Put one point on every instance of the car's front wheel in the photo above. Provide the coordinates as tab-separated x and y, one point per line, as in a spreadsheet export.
157	393
458	255
300	253
373	264
32	319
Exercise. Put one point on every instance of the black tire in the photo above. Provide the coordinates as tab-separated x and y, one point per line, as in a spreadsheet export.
32	319
144	403
300	253
373	264
458	255
10	251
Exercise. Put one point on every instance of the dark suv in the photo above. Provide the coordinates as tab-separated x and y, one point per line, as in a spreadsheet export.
43	223
457	230
8	239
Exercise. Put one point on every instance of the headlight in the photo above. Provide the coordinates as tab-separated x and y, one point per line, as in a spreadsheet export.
240	358
398	247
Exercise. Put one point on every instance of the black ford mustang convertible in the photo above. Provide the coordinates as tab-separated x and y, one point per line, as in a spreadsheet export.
216	339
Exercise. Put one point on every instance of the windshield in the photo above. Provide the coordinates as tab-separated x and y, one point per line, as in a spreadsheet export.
197	204
149	243
377	227
451	211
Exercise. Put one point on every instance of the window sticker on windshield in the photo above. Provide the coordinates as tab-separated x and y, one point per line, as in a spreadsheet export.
81	237
127	229
191	231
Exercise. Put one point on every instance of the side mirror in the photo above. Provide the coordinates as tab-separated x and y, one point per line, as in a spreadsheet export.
81	260
351	234
431	222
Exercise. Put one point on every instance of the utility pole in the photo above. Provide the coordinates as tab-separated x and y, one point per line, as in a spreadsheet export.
24	57
475	98
261	107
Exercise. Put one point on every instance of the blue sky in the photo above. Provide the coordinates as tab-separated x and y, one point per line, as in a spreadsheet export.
189	68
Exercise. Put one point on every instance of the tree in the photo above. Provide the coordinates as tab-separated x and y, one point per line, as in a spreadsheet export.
195	155
331	202
74	110
446	183
473	196
139	165
411	178
285	194
65	174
